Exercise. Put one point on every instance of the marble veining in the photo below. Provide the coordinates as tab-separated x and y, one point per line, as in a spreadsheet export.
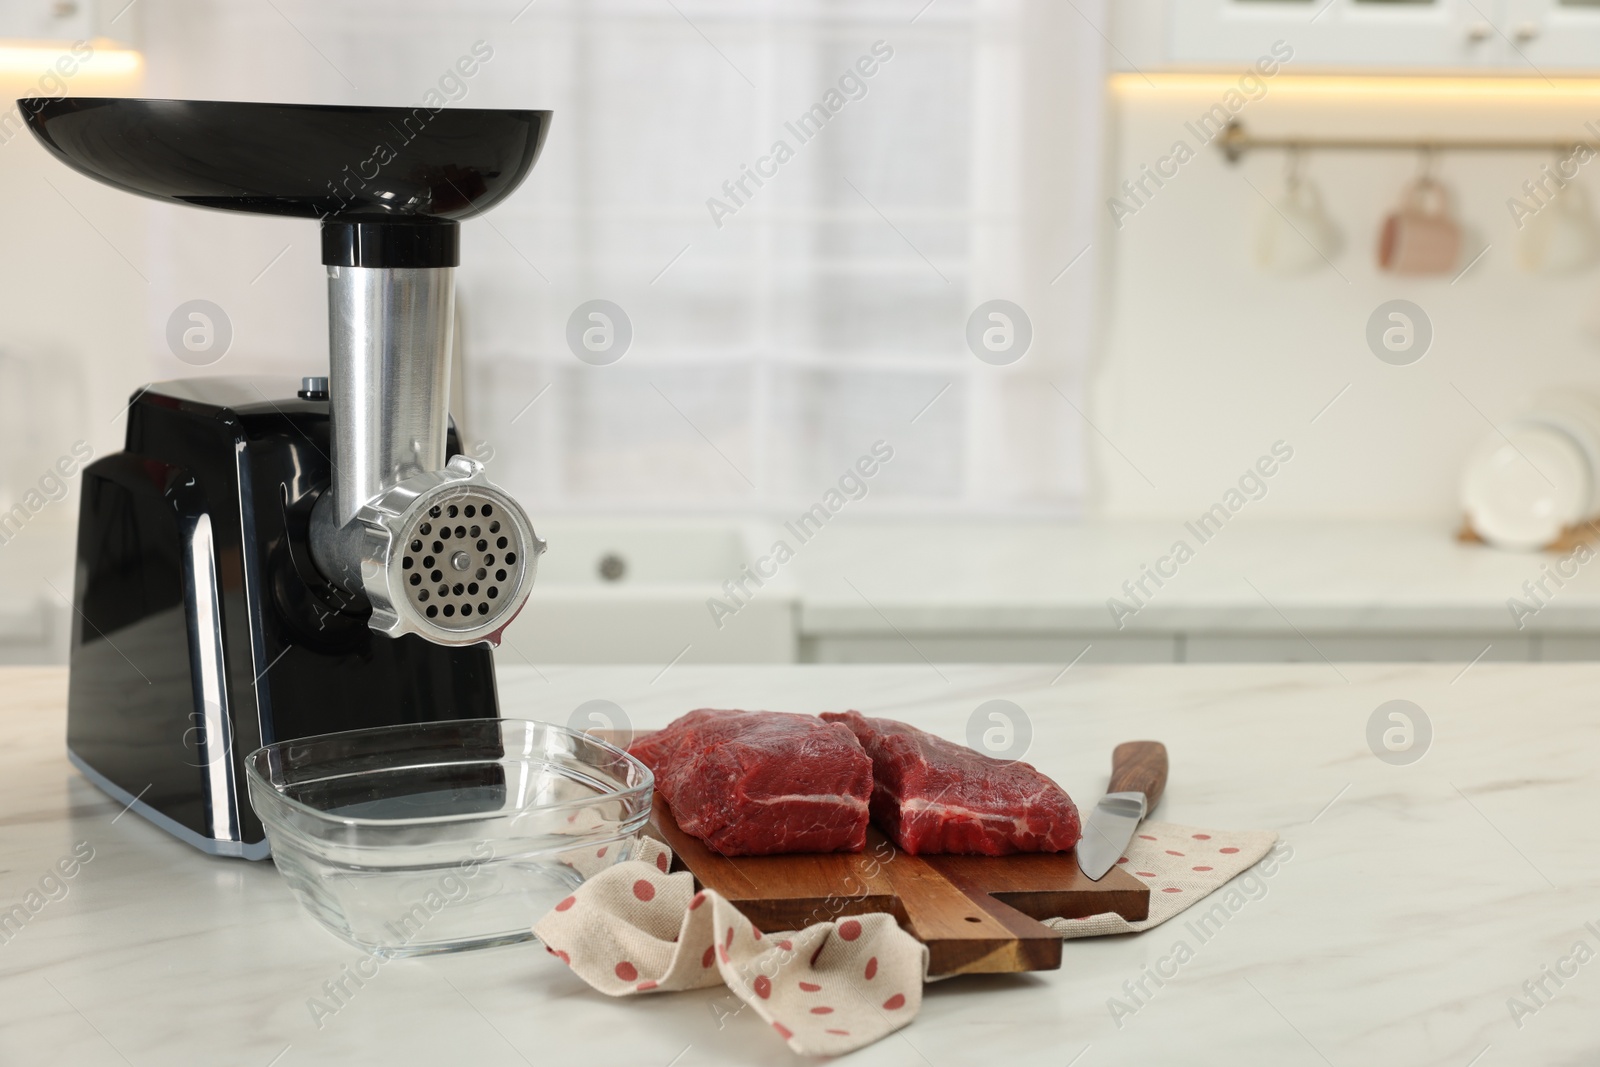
1419	901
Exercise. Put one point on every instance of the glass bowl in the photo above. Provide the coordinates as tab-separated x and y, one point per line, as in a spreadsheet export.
445	836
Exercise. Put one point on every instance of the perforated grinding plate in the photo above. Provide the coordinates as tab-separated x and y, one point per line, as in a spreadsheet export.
462	561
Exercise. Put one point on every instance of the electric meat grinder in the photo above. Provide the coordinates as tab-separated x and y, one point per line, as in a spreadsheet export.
260	564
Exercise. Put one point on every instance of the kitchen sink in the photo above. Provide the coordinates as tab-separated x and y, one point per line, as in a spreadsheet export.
637	590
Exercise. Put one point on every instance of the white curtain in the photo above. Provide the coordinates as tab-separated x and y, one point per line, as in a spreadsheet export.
777	336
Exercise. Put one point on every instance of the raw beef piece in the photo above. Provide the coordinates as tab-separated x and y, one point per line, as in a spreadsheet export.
754	783
931	795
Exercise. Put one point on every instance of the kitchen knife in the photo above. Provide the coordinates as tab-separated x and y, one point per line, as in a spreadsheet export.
1138	775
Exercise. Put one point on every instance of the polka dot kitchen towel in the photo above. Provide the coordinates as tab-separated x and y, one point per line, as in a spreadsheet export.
833	987
826	990
1182	865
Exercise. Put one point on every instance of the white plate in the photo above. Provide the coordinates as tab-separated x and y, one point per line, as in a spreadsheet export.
1522	489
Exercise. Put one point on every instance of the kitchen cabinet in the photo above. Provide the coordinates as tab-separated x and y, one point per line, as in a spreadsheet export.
887	591
35	582
1357	648
1514	35
33	632
846	647
1105	648
1272	592
1552	34
44	20
1095	649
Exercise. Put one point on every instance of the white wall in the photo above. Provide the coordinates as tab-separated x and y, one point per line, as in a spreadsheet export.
1207	361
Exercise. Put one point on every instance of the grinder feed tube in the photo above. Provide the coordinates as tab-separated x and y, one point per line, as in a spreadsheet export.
436	548
388	377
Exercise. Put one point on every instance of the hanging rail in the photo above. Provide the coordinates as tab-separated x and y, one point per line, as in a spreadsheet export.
1235	142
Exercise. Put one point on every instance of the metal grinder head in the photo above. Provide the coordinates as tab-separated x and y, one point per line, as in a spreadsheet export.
446	555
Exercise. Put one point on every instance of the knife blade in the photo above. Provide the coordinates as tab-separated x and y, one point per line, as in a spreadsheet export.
1138	777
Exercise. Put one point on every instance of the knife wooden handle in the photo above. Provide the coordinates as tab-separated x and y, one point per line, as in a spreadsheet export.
1139	767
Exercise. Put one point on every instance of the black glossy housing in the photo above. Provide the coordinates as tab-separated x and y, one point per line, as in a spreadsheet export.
389	183
216	486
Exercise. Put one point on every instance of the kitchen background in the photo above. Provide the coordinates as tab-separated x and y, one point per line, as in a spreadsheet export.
780	330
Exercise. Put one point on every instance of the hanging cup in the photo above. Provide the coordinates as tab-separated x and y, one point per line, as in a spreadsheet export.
1421	236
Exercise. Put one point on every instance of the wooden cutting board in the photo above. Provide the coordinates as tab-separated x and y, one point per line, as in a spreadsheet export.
976	914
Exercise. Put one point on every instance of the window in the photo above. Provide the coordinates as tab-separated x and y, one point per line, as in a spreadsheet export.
780	324
780	327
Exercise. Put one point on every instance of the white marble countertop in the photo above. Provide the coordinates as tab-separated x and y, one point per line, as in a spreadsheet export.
1418	900
1030	576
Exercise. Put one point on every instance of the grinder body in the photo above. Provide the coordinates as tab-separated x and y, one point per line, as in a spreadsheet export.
203	628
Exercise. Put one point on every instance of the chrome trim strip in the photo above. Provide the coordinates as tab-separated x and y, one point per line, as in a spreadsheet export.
259	851
203	611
